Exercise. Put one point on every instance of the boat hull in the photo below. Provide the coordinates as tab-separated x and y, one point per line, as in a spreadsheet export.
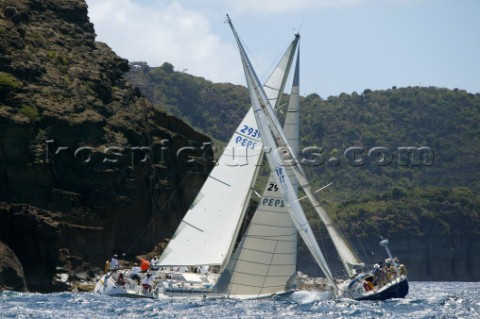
107	286
397	290
164	289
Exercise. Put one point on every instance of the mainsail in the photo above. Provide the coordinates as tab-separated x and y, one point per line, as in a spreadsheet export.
265	261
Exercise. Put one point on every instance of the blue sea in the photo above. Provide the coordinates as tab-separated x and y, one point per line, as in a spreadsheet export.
425	300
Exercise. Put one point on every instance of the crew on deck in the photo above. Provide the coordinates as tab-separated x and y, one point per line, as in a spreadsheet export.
114	265
144	264
147	283
154	263
379	275
135	273
121	280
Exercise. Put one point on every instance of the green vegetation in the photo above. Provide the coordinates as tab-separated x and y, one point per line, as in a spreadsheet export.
420	211
8	82
212	108
57	58
30	112
393	190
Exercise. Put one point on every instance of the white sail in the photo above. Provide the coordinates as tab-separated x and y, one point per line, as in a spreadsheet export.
209	227
265	261
259	103
275	84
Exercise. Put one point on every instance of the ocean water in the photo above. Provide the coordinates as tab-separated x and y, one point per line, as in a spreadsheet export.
425	300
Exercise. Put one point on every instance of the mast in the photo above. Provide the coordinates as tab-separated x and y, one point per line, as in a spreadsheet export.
260	103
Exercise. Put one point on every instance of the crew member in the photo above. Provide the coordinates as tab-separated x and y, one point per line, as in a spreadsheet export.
147	283
135	273
114	265
144	265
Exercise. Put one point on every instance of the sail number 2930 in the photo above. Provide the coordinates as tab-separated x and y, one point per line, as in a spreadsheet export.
250	131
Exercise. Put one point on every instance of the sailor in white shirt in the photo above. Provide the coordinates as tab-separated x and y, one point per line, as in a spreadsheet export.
147	283
135	273
153	263
114	263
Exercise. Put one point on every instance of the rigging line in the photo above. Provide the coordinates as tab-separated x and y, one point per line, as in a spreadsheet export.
324	249
367	259
301	24
160	210
347	240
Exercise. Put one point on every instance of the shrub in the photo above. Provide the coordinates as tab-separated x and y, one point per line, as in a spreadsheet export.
8	82
30	112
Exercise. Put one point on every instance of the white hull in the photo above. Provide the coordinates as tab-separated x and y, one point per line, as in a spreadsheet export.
107	286
190	287
167	284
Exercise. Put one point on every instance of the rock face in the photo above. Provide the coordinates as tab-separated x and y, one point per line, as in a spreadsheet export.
87	166
11	271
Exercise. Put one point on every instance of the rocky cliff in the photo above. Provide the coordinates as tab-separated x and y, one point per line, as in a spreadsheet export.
87	166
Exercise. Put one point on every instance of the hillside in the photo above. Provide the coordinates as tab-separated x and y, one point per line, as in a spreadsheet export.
80	171
402	161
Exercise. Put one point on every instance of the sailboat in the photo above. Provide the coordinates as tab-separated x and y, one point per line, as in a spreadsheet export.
264	262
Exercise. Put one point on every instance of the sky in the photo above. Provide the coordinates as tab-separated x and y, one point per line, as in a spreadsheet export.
346	45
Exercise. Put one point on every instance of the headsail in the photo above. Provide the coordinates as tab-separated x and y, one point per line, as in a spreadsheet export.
265	260
210	225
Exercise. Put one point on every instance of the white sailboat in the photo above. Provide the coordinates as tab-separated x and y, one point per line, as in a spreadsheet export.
264	263
207	234
387	281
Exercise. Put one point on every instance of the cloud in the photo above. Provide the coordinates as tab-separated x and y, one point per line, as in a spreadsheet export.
164	32
284	6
